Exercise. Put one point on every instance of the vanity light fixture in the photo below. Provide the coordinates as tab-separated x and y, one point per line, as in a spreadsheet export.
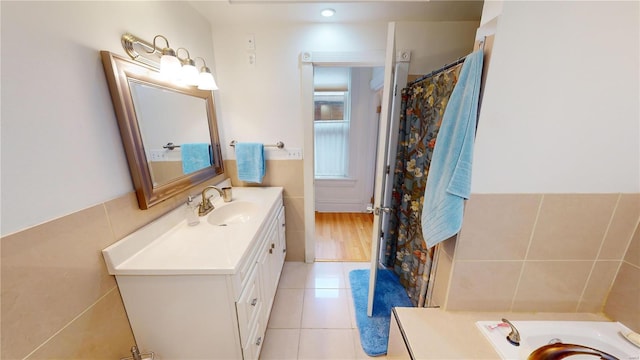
207	82
172	66
328	12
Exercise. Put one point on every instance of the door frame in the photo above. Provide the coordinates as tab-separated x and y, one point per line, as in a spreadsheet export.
309	59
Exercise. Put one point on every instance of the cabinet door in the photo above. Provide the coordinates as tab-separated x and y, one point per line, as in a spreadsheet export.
273	260
282	239
249	306
264	272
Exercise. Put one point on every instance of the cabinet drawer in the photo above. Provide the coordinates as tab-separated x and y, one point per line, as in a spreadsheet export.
247	269
251	351
248	306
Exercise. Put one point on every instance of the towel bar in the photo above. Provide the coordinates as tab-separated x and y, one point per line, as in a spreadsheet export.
170	146
279	144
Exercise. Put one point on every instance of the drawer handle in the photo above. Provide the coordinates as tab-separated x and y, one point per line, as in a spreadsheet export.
273	245
270	251
254	302
259	341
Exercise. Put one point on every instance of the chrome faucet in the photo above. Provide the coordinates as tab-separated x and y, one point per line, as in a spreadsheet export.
514	335
560	351
205	205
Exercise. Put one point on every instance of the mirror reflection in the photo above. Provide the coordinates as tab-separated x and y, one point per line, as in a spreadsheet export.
174	130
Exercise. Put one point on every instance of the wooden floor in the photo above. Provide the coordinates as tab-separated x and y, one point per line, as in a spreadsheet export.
343	236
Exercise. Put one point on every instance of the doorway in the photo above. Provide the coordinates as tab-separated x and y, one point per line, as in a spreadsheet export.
343	236
346	113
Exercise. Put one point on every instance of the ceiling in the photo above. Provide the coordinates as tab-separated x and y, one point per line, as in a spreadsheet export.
220	12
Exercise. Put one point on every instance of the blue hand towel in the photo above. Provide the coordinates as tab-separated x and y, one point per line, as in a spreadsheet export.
250	159
449	179
195	156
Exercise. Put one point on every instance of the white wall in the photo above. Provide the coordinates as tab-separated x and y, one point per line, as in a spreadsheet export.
262	102
61	148
561	105
434	44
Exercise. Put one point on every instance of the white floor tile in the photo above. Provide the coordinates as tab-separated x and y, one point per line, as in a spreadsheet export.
334	344
313	316
280	344
287	309
348	266
326	309
352	310
294	275
326	275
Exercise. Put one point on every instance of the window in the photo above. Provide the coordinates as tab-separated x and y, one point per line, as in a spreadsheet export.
331	134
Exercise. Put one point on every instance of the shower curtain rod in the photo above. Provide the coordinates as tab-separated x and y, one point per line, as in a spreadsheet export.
435	72
448	66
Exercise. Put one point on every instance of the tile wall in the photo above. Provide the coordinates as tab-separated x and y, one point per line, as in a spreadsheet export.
623	303
545	252
58	301
517	252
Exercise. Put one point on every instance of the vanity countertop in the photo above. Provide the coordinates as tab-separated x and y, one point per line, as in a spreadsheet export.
433	333
169	246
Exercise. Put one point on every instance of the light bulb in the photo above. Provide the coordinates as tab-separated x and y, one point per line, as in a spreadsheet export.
169	66
327	12
207	82
189	74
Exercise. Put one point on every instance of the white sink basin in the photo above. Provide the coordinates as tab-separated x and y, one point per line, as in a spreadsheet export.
237	212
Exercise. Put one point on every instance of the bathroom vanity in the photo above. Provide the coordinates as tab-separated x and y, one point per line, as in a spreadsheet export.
205	291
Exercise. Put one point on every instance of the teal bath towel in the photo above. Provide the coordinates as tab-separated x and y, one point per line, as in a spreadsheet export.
449	179
250	159
195	156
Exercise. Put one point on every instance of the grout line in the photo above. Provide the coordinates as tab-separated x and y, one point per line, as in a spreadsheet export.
593	266
304	296
70	322
626	249
630	264
526	254
106	213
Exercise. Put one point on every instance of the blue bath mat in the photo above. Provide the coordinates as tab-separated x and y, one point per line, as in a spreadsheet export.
374	331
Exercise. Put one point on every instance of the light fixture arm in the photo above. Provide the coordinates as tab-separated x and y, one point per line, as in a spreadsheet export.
166	50
187	60
204	67
129	43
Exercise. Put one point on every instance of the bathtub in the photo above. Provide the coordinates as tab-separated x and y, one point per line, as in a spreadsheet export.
601	335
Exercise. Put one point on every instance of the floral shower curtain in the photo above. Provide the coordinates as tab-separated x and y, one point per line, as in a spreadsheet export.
423	106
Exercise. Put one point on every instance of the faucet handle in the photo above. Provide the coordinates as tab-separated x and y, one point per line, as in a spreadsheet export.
514	335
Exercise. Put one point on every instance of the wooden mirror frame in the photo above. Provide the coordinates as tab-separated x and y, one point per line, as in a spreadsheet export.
118	71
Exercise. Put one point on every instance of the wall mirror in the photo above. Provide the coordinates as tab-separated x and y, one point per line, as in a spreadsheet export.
169	132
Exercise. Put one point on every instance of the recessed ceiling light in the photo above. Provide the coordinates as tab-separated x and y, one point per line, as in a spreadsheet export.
328	12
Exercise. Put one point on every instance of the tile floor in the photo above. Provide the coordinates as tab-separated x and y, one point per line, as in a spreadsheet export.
312	315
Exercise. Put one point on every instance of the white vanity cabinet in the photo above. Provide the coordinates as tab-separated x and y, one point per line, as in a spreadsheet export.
268	268
192	307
